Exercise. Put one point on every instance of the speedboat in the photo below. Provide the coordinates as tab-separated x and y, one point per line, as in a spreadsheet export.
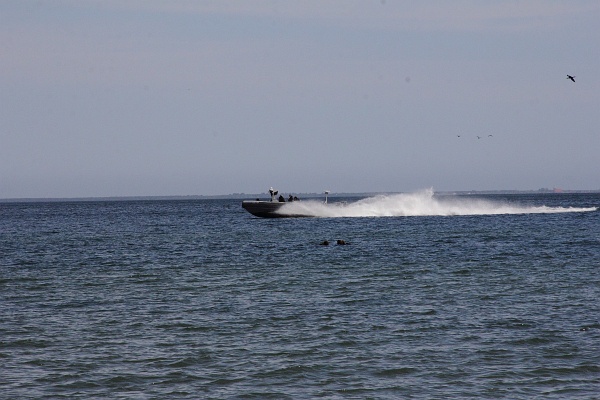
267	209
275	208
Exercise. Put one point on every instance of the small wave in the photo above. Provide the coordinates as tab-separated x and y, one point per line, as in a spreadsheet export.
395	372
422	203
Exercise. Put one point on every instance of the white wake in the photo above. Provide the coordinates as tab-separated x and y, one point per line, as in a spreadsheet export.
422	203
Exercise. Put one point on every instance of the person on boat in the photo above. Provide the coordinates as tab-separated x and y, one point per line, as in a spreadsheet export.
281	199
291	198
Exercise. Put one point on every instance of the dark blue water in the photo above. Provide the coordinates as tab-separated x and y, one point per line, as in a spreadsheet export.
199	299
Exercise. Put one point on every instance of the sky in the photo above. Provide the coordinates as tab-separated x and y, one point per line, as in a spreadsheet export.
157	98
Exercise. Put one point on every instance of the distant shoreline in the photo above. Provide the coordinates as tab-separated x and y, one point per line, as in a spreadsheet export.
251	196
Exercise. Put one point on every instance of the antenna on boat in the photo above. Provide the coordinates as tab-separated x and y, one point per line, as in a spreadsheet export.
326	193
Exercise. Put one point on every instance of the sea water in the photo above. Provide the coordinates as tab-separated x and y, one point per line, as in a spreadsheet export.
431	297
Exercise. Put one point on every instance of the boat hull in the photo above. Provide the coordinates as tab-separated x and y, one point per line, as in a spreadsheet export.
267	209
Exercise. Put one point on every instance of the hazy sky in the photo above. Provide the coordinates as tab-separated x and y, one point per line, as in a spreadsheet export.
134	98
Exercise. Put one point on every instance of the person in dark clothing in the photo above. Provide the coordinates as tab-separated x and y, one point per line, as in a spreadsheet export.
281	199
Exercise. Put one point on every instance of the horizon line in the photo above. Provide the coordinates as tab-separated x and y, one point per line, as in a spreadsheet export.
309	194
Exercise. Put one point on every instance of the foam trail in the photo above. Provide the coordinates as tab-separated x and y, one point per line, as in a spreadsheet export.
422	203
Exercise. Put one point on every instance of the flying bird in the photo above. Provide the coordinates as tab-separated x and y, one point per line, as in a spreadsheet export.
571	78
